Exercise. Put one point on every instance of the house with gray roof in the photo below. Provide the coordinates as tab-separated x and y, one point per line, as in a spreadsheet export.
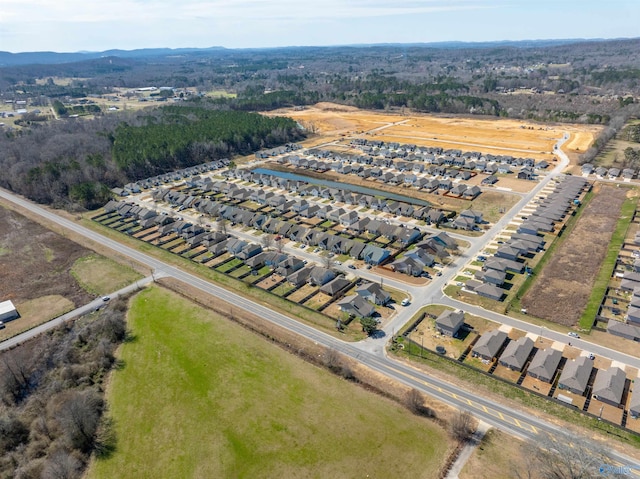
356	306
609	386
301	276
624	330
634	404
374	254
449	322
335	286
320	276
489	344
516	354
490	291
544	364
575	375
373	292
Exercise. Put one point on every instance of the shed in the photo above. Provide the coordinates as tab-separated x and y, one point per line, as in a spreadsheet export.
8	311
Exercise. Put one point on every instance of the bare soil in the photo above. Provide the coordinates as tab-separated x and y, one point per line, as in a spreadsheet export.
563	288
37	262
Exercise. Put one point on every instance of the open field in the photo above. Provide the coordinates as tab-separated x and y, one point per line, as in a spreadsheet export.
498	456
37	262
99	275
561	291
228	404
34	312
497	136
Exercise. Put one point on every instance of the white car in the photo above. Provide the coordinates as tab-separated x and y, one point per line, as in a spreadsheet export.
573	335
405	302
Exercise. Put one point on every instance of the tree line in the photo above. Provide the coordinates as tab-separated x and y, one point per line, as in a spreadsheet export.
74	163
52	408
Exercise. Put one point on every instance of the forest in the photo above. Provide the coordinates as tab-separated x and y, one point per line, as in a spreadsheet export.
73	163
52	408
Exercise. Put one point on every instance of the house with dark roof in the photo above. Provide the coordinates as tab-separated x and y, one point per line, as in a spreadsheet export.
449	322
357	306
320	276
575	375
491	276
374	254
335	286
373	292
609	386
634	404
624	330
544	364
516	353
489	344
490	291
301	276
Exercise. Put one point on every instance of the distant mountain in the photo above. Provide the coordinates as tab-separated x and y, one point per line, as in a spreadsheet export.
51	58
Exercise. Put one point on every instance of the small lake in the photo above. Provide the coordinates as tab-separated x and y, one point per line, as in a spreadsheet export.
343	186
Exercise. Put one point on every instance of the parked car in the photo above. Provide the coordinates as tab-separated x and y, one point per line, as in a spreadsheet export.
405	302
591	355
441	350
573	335
351	266
105	298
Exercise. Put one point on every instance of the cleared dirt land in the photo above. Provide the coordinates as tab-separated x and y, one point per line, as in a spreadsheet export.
497	136
226	403
36	262
562	290
46	274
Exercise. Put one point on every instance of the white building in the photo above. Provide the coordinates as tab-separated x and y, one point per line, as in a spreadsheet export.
8	311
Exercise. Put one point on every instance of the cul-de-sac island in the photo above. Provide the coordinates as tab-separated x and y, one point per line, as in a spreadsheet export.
334	262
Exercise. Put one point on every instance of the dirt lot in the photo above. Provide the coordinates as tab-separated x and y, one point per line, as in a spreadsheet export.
36	271
501	136
36	261
562	290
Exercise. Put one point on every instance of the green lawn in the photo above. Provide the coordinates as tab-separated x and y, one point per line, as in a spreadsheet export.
99	275
199	396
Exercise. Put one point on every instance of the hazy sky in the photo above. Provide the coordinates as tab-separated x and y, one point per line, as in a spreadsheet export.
73	25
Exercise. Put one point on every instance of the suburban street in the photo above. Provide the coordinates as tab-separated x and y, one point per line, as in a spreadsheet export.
370	352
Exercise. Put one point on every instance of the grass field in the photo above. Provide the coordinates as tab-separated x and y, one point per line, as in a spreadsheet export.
498	456
99	275
225	403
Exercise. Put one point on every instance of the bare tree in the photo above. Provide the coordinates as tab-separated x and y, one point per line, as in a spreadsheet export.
564	457
267	240
221	226
79	416
279	245
327	262
414	401
61	465
462	426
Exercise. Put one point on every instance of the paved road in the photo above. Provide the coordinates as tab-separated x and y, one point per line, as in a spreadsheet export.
507	419
81	311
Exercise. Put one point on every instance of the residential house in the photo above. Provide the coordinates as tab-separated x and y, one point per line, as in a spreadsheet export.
335	286
634	404
320	276
449	322
301	276
576	374
609	386
624	330
349	218
544	364
408	265
471	192
355	305
374	255
491	276
373	292
287	266
458	189
489	344
490	291
516	353
489	180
